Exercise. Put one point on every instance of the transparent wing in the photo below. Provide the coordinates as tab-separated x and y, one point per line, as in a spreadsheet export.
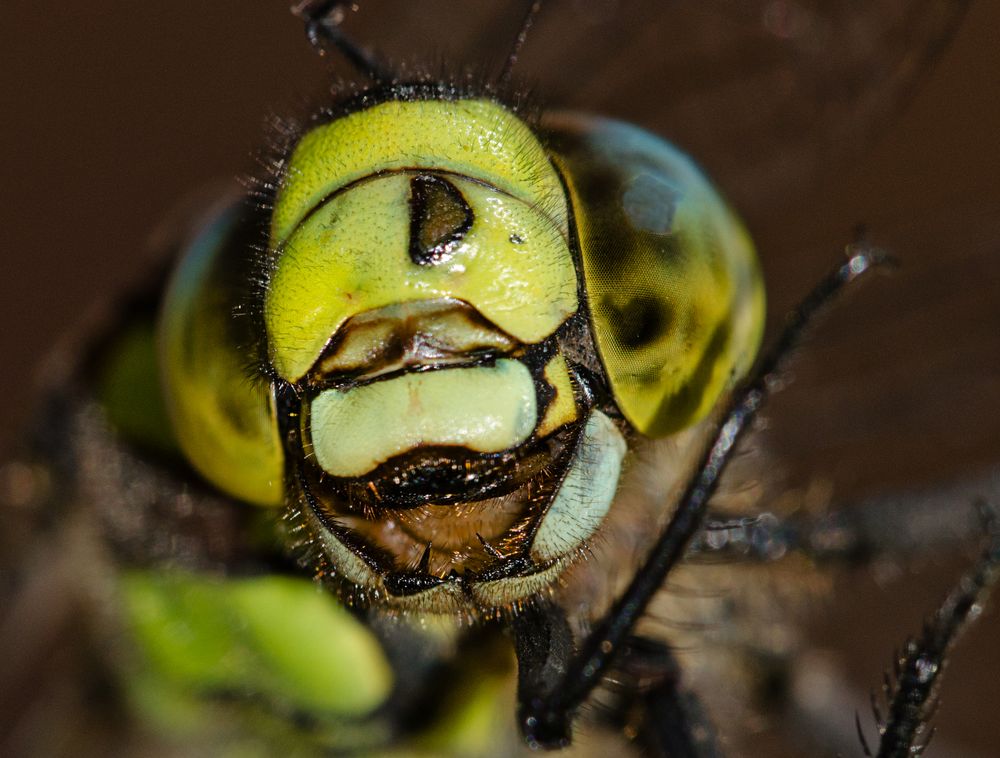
762	92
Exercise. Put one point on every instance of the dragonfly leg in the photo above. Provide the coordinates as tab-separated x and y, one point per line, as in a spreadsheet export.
911	690
895	526
645	697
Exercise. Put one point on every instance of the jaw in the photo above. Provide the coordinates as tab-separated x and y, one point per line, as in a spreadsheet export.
417	514
479	555
445	466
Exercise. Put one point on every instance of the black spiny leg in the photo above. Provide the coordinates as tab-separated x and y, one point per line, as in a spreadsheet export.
901	525
544	644
529	17
546	712
912	692
666	719
652	706
323	19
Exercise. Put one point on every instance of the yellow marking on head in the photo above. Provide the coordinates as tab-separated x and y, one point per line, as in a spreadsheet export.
562	409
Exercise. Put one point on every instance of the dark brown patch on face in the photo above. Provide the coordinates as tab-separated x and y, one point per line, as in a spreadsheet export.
405	515
439	218
406	336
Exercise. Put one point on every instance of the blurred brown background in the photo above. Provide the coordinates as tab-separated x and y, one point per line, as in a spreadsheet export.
113	110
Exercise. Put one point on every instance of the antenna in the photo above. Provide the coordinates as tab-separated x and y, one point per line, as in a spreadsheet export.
522	35
323	19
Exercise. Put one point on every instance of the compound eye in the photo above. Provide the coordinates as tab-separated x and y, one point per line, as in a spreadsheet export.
225	423
671	277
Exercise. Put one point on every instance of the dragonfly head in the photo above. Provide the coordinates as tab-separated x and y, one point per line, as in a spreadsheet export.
463	323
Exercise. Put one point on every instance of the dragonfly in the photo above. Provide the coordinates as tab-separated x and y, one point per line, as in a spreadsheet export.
756	191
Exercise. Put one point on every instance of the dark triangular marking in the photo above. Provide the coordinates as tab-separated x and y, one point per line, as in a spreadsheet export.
439	218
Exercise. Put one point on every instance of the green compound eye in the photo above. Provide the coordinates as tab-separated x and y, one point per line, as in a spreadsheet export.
224	422
673	285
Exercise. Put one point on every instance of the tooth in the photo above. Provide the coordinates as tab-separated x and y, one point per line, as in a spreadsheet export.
489	548
425	559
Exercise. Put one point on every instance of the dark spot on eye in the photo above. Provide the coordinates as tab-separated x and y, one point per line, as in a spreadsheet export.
235	414
516	239
640	322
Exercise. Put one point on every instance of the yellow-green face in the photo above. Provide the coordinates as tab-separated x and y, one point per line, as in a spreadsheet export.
422	270
491	226
446	294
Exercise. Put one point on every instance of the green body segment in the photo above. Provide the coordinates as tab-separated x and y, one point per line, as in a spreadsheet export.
278	638
673	284
562	409
223	419
586	494
237	665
